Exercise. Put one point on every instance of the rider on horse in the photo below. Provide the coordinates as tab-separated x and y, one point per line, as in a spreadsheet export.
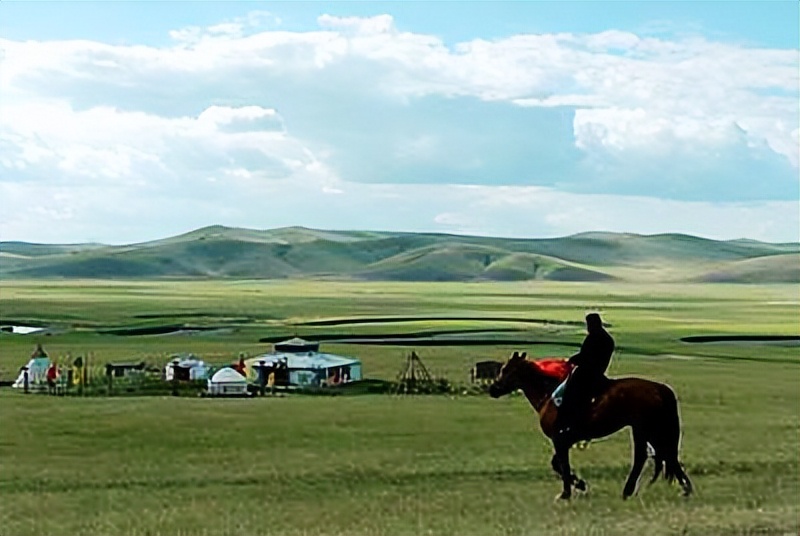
590	367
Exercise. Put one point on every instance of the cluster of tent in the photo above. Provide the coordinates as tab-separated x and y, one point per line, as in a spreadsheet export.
295	363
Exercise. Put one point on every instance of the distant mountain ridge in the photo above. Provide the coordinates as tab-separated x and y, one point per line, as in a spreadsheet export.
299	252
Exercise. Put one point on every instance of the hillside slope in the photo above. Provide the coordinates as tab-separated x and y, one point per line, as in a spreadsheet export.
772	269
297	252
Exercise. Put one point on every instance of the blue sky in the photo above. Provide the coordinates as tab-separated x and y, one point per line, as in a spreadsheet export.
150	22
128	121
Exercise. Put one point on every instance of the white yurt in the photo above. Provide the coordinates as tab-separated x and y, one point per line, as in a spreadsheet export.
227	382
186	367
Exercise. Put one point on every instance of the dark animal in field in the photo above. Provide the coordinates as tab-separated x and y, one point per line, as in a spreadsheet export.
649	408
485	371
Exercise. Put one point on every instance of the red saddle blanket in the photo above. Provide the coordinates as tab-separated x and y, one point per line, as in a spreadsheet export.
556	367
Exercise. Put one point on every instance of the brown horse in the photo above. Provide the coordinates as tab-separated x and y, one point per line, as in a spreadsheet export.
649	408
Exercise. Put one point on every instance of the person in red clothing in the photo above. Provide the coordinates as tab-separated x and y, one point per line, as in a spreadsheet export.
52	376
240	367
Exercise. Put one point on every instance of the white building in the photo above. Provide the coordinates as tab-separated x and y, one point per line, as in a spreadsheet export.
305	366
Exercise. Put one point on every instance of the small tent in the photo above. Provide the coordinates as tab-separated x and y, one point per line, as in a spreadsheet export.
186	367
227	382
36	370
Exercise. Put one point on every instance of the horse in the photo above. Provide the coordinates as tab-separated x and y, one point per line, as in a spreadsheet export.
649	408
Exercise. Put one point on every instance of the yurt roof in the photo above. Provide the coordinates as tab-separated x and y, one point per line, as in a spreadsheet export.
296	344
227	375
187	363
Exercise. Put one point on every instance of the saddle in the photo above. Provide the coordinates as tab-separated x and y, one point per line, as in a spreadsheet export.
590	392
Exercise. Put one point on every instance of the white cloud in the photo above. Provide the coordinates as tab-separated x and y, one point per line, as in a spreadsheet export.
58	214
358	25
674	83
232	29
81	147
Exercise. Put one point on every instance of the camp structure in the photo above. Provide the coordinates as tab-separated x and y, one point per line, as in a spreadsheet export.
125	370
227	382
297	363
186	367
485	371
414	375
35	371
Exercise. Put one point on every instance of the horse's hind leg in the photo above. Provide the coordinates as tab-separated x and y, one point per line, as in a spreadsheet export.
658	467
639	458
675	469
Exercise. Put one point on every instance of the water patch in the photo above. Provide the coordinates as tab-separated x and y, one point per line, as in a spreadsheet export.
780	340
399	319
679	357
159	330
20	330
430	338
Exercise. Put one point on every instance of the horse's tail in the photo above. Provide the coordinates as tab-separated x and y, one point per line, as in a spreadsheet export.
667	454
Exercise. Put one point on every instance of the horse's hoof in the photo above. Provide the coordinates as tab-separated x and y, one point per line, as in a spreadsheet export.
581	485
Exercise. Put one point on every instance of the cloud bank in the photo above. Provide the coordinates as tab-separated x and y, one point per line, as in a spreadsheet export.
360	125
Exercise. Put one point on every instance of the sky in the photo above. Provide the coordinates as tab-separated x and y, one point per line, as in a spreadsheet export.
123	122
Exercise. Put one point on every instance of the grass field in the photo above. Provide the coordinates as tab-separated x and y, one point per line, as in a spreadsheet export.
385	464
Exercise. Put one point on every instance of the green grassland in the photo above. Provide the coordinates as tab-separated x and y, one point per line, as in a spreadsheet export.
382	464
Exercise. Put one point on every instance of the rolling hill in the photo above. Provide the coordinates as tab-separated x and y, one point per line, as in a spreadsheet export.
298	252
771	269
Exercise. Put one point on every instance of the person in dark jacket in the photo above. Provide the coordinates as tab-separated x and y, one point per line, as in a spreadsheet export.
590	364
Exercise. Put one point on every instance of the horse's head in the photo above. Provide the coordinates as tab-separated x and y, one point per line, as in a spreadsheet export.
508	380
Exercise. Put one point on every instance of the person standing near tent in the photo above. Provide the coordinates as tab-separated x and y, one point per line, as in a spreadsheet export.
240	367
52	376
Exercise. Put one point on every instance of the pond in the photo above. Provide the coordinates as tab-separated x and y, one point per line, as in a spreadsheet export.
20	330
780	340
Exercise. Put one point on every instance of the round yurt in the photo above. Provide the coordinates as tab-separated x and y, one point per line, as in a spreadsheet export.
186	367
227	382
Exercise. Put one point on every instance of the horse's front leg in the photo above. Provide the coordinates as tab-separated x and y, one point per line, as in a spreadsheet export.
562	453
579	483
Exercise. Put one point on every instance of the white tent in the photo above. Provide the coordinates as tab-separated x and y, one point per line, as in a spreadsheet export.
37	373
198	369
227	381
